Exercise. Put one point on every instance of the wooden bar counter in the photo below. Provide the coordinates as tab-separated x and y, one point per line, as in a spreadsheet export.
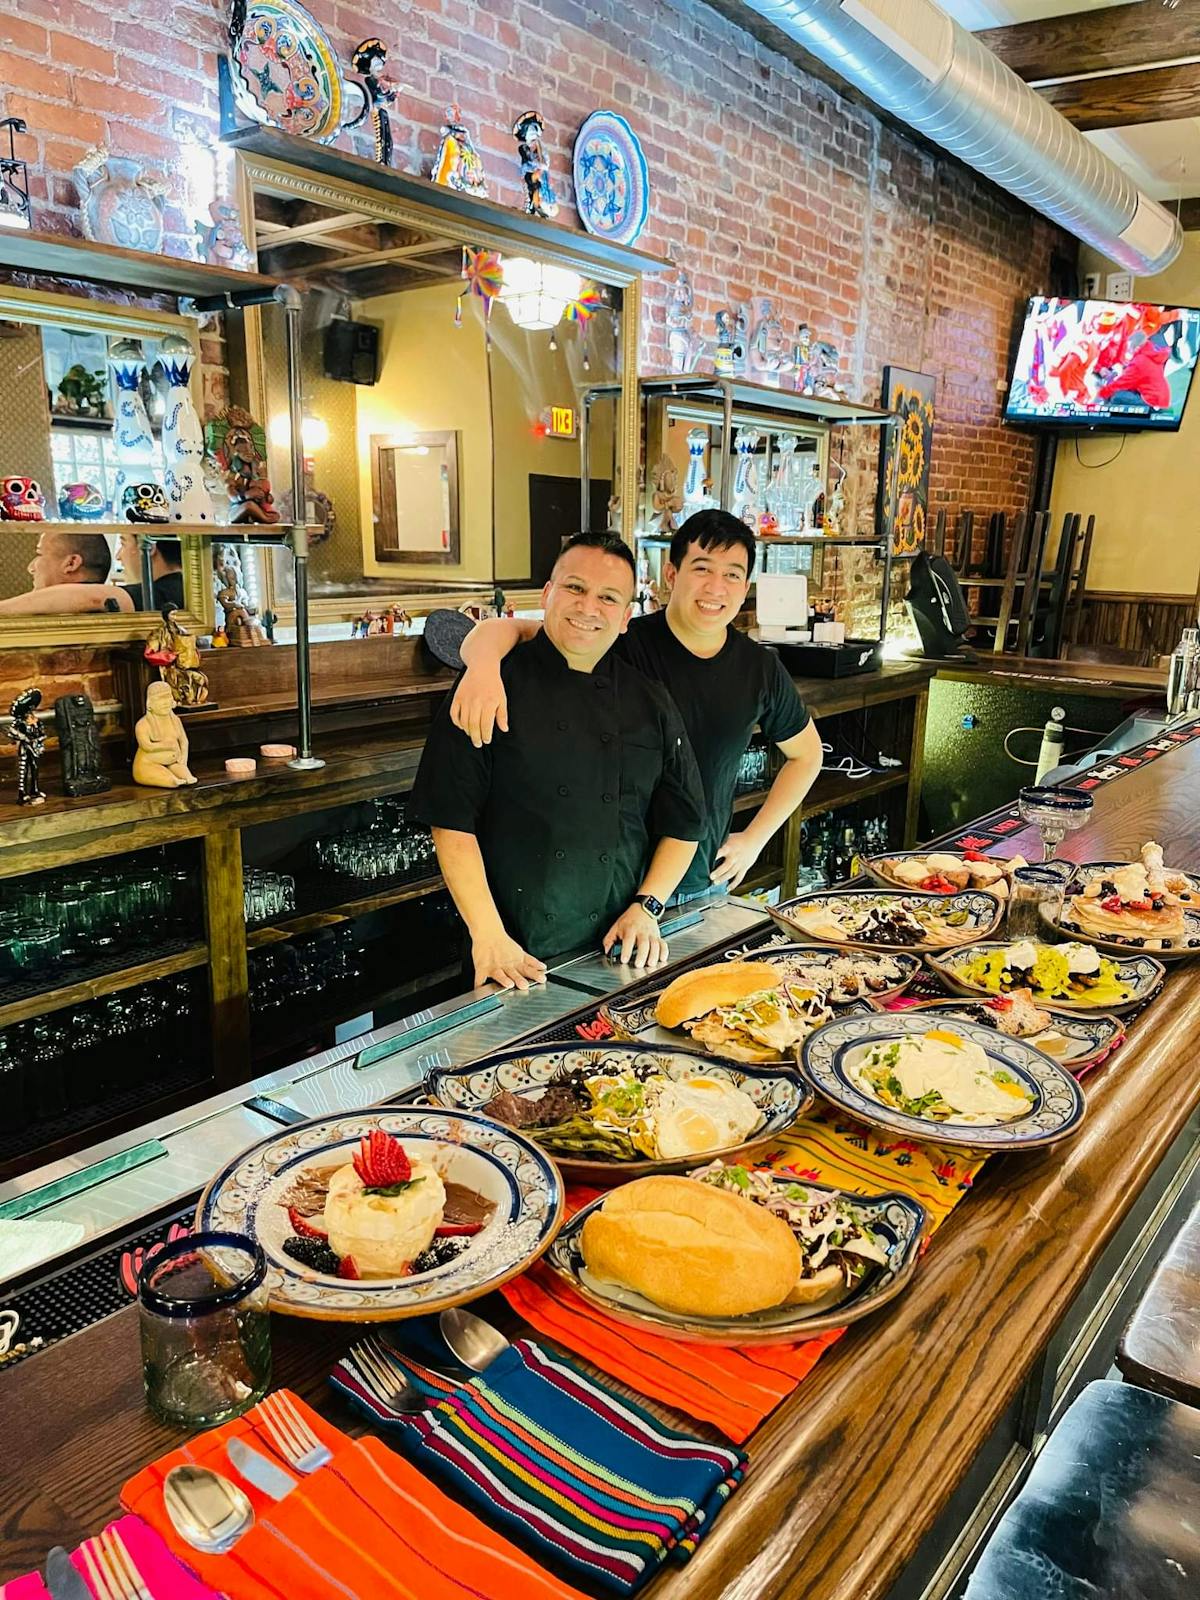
851	1472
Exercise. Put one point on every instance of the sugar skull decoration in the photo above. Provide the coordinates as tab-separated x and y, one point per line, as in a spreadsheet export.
458	164
22	500
540	199
81	502
144	502
238	447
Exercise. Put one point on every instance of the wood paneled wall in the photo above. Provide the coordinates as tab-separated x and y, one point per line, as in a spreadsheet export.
1137	622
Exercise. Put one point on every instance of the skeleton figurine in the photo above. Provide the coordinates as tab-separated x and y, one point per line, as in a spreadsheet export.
540	199
79	745
370	60
27	734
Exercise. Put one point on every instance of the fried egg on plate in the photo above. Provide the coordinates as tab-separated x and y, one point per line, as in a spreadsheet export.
696	1114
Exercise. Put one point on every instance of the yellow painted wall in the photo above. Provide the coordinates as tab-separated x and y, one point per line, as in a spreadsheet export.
1147	499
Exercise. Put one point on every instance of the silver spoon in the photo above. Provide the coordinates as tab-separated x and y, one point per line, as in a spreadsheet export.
474	1342
206	1509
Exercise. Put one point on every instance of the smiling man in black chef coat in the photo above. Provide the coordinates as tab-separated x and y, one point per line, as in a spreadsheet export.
585	818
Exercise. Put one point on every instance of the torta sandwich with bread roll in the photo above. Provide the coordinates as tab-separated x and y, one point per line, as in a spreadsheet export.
743	1010
692	1248
697	993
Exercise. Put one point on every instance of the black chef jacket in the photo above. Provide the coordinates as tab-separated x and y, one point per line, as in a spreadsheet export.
568	805
721	699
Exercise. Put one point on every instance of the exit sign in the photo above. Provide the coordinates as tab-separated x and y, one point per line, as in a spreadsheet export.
562	422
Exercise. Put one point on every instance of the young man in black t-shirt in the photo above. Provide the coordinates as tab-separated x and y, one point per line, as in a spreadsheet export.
724	686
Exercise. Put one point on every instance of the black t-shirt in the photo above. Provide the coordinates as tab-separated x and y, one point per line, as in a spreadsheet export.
721	701
567	806
168	591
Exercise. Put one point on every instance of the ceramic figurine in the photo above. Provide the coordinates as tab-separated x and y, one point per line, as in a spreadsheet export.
22	500
732	327
221	242
745	479
684	344
160	761
370	59
14	181
665	499
133	442
188	498
144	502
802	359
238	446
769	354
823	372
835	504
81	502
458	164
27	733
240	626
79	744
695	496
540	199
118	203
173	651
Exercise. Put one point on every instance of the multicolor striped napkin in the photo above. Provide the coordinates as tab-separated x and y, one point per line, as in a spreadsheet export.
584	1479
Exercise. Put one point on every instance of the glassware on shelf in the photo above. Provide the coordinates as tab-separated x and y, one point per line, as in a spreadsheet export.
205	1329
266	895
390	846
1054	813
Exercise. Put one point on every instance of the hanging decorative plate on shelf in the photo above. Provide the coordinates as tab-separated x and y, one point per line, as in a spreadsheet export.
612	182
283	69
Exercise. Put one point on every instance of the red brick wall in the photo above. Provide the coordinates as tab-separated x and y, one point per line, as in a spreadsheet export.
764	180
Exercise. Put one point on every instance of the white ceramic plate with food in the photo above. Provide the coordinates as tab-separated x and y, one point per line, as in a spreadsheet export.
1075	1039
958	1084
890	1226
303	1196
941	871
1071	977
882	919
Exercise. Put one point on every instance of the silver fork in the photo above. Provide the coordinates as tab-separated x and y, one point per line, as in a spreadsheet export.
291	1435
388	1385
111	1570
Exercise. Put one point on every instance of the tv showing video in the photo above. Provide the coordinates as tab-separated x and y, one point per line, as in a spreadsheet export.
1103	364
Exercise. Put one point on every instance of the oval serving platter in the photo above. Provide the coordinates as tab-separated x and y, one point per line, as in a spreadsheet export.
1085	871
976	914
1075	1039
897	1218
1141	975
833	1051
875	868
1065	928
248	1196
776	1091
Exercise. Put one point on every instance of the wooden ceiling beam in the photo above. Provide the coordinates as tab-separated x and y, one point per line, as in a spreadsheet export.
1127	98
1125	37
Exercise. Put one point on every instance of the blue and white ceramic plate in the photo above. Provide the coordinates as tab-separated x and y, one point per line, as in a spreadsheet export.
1064	926
833	1054
835	917
1073	1039
779	1095
1140	977
896	1218
1085	871
635	1019
612	182
249	1196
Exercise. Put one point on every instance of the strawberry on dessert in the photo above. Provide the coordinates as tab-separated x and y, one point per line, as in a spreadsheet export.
382	1208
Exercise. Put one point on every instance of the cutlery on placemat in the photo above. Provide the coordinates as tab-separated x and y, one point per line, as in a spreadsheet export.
62	1580
205	1509
256	1469
474	1342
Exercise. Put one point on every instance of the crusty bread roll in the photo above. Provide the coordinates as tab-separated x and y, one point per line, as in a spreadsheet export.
692	1248
723	985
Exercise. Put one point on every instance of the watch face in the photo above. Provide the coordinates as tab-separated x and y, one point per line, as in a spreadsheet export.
650	904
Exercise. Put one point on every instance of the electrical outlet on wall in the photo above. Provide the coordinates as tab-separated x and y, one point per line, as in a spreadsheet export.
1119	286
1091	286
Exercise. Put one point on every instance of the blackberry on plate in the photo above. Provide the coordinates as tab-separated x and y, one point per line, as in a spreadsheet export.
438	1254
314	1253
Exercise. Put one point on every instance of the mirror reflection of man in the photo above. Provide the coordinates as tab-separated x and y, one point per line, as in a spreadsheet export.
70	572
582	822
166	569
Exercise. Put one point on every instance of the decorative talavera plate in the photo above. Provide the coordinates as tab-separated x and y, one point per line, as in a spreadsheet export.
779	1095
1074	1039
948	919
834	1052
612	182
248	1196
1140	976
896	1218
1085	871
284	71
877	868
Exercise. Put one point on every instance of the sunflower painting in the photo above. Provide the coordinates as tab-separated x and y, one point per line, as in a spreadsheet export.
905	464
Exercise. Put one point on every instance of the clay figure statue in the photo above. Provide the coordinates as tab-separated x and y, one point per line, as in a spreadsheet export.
79	744
160	761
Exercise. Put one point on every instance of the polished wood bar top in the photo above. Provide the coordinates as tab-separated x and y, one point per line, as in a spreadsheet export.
1106	679
849	1473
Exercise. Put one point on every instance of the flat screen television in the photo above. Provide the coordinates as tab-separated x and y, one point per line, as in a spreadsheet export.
1118	365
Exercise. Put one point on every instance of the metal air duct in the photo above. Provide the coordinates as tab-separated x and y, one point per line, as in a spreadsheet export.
918	63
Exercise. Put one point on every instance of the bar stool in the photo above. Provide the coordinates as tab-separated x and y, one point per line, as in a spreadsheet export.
1160	1348
1109	1510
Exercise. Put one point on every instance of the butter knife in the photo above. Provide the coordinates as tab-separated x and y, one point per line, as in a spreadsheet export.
256	1469
62	1580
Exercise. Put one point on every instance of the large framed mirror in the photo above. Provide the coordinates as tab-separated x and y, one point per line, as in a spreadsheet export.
73	567
478	396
